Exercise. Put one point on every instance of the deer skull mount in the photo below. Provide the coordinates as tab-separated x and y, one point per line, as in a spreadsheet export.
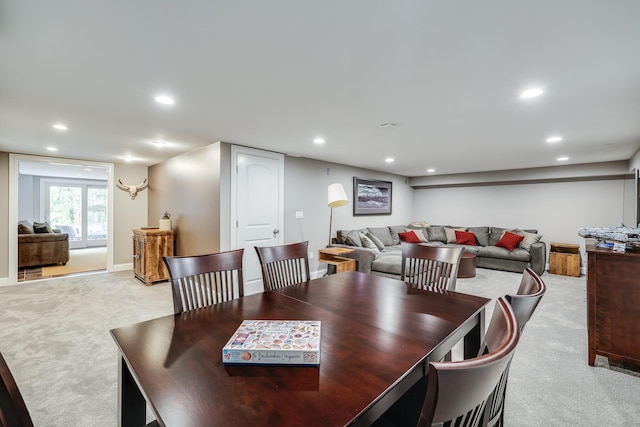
132	189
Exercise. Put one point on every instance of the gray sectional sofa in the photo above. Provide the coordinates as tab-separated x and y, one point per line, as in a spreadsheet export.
530	253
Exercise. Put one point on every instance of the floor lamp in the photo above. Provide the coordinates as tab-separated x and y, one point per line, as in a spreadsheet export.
337	197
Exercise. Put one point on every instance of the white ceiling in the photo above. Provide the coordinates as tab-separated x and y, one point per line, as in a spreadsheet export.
276	74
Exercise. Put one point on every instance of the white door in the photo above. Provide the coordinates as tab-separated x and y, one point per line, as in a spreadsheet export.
257	206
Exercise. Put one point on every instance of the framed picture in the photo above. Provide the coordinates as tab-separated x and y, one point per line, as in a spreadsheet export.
371	197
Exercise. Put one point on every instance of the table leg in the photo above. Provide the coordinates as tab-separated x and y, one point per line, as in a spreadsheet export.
474	337
132	408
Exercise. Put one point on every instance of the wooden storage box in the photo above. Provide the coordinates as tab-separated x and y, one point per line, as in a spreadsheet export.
564	258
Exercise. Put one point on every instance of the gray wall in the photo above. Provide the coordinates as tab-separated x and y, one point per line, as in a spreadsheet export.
189	188
556	209
306	183
128	214
195	189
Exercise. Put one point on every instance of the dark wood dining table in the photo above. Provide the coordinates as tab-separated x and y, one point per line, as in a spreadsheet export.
378	336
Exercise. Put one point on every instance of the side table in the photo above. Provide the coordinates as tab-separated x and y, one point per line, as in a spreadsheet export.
467	267
332	256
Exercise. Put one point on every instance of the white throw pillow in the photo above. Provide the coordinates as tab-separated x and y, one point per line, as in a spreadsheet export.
529	239
451	233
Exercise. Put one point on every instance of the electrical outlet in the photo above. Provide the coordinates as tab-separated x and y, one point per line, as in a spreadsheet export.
310	254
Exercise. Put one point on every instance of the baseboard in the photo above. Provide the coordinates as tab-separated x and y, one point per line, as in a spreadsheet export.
4	281
122	267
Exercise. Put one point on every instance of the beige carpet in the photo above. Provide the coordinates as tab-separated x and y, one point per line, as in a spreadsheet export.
80	261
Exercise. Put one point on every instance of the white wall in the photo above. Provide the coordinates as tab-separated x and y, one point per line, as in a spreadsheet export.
557	209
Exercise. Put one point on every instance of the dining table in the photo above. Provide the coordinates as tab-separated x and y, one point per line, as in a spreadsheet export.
378	335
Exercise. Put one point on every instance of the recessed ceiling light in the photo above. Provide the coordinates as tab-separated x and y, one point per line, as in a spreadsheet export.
127	158
52	149
562	159
431	170
159	142
387	126
532	92
163	99
318	141
553	139
60	126
389	159
88	169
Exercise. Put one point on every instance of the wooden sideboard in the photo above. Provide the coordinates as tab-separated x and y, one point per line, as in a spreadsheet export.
149	246
613	305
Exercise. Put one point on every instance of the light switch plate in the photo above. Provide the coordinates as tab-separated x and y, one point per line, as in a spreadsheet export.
299	214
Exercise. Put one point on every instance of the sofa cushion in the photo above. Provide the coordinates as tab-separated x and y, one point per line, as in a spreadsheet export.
509	240
500	253
409	237
383	234
353	238
368	243
389	262
25	227
437	233
482	235
465	238
376	241
395	229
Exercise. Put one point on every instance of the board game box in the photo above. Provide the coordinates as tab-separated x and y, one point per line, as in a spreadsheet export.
274	342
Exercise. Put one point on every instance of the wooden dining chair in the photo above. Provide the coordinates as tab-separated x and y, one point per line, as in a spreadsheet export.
430	266
523	303
284	265
13	411
457	392
202	280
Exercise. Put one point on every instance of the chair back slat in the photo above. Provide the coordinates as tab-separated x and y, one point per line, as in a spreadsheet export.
430	266
284	265
458	392
524	303
13	411
203	280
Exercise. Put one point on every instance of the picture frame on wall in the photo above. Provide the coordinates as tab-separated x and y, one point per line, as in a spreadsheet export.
371	197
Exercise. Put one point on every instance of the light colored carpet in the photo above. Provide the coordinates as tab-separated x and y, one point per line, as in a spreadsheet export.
55	337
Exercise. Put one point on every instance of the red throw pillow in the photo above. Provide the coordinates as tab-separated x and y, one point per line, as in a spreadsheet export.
409	237
509	241
465	238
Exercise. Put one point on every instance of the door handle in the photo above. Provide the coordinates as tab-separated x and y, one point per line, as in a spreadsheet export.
275	232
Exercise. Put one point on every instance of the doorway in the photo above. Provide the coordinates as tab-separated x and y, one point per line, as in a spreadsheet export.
94	225
257	207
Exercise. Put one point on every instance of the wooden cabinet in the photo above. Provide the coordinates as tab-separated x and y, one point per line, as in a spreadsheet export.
613	304
564	258
149	246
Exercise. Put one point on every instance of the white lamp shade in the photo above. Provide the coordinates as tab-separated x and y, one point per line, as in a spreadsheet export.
337	196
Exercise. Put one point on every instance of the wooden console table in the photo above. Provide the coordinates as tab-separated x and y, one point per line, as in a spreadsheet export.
613	304
333	256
